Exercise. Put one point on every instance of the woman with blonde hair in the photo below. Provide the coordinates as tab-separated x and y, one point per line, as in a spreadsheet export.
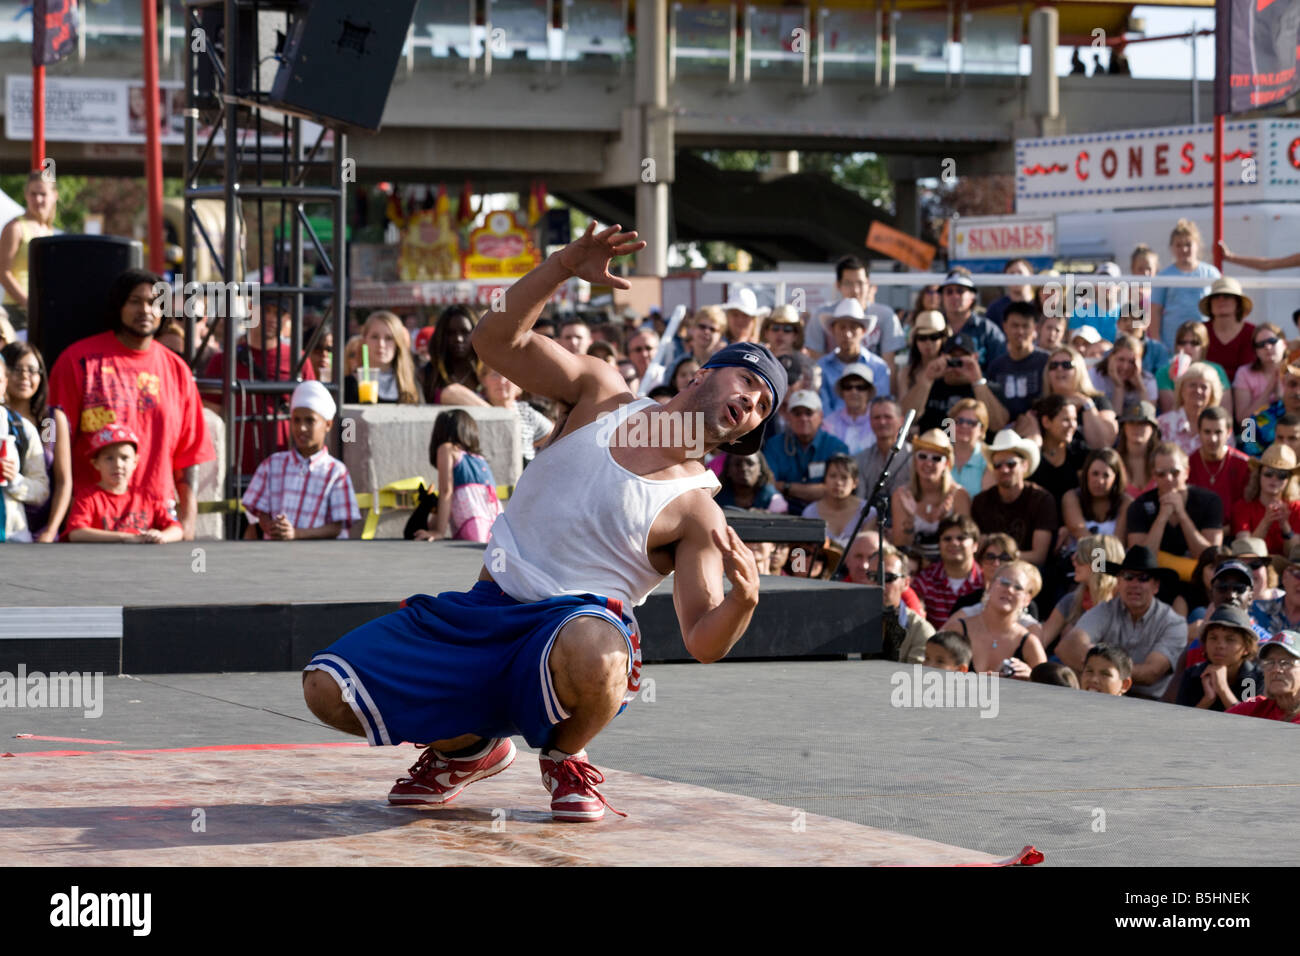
707	330
1093	587
389	345
970	423
1270	507
1197	389
1066	374
37	221
1193	341
999	642
932	493
352	355
1172	307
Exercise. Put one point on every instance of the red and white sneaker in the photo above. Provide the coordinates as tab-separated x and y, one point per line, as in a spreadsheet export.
437	779
572	783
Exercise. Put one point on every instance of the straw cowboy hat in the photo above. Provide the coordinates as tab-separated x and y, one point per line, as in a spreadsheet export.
1008	440
929	321
784	315
1226	286
935	440
1279	456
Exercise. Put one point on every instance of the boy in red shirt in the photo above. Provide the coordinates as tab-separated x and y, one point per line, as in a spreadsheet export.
112	510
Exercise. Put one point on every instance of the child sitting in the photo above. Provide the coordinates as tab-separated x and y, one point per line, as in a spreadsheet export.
304	492
467	492
112	510
948	651
1107	669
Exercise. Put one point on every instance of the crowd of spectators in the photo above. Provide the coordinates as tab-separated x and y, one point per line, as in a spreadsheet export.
1076	495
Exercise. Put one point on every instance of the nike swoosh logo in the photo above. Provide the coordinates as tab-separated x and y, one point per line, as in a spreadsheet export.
452	779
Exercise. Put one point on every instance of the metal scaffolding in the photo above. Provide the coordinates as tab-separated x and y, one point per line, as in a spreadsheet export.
241	150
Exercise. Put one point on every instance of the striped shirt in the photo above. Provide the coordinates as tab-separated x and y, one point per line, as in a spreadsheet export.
311	492
932	587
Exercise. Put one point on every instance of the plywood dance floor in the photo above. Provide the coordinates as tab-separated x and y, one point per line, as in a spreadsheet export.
324	805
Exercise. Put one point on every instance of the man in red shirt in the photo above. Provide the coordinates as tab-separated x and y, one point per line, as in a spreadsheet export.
263	357
1279	658
1218	467
124	377
955	574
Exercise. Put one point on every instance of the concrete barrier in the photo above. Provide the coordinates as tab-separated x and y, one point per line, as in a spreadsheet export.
385	443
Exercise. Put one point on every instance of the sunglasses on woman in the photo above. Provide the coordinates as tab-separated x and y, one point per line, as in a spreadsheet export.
1056	366
930	336
927	456
1276	475
1267	343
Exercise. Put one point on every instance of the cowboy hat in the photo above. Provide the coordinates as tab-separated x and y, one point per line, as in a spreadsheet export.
1140	558
784	315
850	309
1226	286
936	440
1008	440
930	320
1276	455
744	300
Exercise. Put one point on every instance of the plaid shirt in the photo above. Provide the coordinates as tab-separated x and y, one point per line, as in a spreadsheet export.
932	587
311	491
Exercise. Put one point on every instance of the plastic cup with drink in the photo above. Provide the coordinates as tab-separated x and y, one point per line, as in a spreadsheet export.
367	379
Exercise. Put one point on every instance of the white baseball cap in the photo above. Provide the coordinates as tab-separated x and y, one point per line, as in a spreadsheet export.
805	399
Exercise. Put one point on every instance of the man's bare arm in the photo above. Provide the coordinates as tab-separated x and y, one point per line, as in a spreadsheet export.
504	340
187	504
711	621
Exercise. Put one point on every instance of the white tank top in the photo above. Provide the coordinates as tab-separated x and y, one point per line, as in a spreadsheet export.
578	522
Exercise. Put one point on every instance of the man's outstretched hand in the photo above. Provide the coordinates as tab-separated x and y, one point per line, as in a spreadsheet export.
588	257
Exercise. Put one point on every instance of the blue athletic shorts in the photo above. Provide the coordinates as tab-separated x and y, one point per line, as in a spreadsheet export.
463	663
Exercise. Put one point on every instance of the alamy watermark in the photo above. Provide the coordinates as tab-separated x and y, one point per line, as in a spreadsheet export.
1092	297
213	300
37	690
928	687
658	430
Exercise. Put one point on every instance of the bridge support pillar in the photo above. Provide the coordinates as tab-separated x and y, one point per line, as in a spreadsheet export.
657	139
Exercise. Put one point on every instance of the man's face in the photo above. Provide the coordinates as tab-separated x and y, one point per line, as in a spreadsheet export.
576	338
1137	589
858	559
1170	475
1281	673
854	284
939	658
309	430
1289	435
804	422
499	389
957	301
641	350
1019	269
734	401
956	374
1010	469
1231	590
957	548
1020	331
1214	437
848	335
896	581
744	470
1102	677
885	423
1291	393
140	314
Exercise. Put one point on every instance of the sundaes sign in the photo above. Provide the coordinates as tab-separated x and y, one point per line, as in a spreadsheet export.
1174	166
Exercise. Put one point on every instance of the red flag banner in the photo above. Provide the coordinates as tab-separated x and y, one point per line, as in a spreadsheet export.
54	30
1257	52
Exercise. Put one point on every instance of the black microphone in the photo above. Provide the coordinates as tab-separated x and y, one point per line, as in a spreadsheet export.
902	432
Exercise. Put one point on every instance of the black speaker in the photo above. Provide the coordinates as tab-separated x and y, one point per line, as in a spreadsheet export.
68	282
339	61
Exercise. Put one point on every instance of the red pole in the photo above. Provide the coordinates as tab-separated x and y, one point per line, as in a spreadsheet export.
1218	190
153	141
38	117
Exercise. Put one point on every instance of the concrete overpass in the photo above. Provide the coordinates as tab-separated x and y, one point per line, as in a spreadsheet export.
618	127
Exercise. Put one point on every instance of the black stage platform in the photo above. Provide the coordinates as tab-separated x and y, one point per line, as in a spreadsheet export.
268	606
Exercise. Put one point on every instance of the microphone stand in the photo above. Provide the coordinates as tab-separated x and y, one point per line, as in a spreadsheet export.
880	502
